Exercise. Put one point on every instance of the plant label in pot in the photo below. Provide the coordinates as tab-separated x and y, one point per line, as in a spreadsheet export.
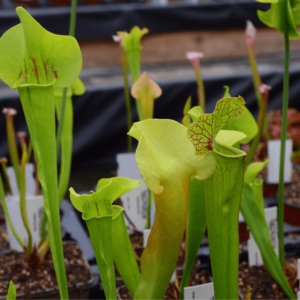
202	291
30	180
35	207
135	202
274	155
254	255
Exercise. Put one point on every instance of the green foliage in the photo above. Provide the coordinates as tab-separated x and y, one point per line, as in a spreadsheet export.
123	254
146	91
284	15
260	230
66	140
244	123
133	48
23	209
186	121
196	224
99	213
166	161
11	294
32	60
7	216
222	191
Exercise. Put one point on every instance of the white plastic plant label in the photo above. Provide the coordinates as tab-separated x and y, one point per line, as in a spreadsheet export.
273	165
35	207
135	202
127	166
30	180
202	291
254	255
145	237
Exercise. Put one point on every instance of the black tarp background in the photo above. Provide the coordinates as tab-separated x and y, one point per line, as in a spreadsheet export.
100	117
96	22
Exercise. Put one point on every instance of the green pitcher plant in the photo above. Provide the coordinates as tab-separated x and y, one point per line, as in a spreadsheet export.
146	91
196	224
222	191
132	45
11	294
108	232
284	15
186	120
244	123
252	208
66	141
77	88
124	62
166	160
33	60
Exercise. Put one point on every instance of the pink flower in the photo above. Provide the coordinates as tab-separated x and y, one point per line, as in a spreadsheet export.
250	33
117	38
9	111
194	57
263	88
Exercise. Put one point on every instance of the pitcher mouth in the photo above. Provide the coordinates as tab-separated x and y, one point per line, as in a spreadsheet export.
17	85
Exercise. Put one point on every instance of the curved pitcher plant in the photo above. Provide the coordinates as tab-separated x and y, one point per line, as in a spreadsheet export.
33	60
222	190
166	161
108	232
284	15
77	88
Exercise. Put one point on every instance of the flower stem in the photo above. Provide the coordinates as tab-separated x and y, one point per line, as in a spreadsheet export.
7	216
201	91
257	82
127	97
285	103
261	121
64	96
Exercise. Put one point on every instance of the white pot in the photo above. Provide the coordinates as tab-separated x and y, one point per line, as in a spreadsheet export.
274	164
30	180
135	202
35	207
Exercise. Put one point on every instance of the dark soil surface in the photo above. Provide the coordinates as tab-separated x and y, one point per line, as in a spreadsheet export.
13	265
1	210
292	194
173	290
4	242
263	286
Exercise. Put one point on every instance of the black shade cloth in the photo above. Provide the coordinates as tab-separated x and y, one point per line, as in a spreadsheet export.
100	117
102	21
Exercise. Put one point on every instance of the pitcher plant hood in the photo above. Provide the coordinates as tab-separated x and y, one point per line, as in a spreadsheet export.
98	204
163	148
206	132
31	55
284	15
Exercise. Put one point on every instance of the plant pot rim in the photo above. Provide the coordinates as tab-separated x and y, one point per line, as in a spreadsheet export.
39	294
291	204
